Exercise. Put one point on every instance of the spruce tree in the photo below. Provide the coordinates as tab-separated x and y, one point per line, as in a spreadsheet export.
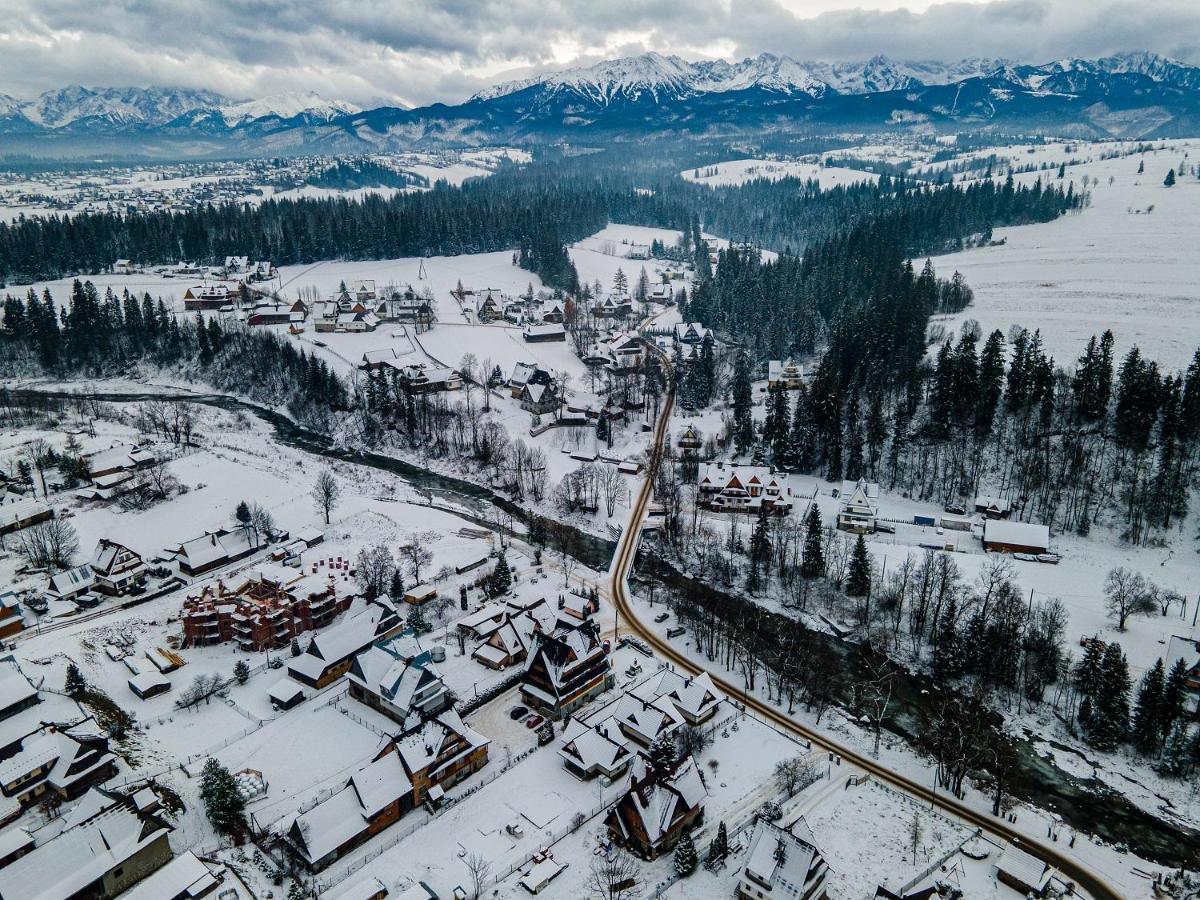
760	547
1147	715
241	671
1109	724
1176	759
500	581
719	848
743	419
75	684
223	802
396	586
242	513
812	556
685	856
663	754
858	578
947	651
1174	696
296	651
1169	181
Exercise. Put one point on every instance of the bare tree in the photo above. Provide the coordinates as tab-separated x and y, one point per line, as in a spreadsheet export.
615	489
50	545
794	775
373	570
613	876
691	740
261	520
874	692
325	493
37	453
416	552
1125	595
478	867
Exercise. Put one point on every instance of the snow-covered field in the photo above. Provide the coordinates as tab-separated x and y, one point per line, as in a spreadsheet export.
739	171
1124	262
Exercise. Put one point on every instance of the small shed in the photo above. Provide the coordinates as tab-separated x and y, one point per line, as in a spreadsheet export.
285	694
1022	872
422	593
1000	536
368	888
541	874
149	684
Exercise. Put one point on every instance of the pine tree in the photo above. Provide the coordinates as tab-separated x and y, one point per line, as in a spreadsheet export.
223	802
1141	166
858	578
1176	759
685	856
75	684
416	620
242	513
396	586
296	651
1169	181
812	556
1147	715
241	671
663	754
462	597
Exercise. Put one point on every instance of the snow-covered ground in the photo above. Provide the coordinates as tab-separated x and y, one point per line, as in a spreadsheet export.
739	171
1124	262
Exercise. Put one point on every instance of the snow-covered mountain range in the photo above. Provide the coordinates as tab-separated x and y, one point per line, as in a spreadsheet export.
1132	95
79	109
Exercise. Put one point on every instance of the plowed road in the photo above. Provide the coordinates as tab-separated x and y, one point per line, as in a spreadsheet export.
1086	880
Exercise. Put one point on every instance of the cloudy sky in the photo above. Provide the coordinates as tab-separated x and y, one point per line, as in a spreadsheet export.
422	51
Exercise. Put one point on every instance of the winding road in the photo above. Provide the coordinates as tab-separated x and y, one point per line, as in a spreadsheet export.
1086	880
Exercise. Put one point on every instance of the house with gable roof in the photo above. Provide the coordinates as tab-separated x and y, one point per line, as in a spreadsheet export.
783	862
858	510
397	678
726	488
658	808
565	668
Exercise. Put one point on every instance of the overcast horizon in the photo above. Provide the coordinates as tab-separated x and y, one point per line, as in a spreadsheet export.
424	51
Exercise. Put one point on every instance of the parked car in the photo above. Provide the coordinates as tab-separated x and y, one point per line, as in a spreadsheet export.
533	721
662	617
885	528
955	509
518	712
675	632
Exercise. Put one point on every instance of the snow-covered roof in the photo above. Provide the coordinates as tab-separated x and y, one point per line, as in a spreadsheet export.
1024	534
148	681
380	784
1023	868
183	877
20	510
79	856
345	639
694	696
777	855
330	823
599	745
15	688
285	691
365	889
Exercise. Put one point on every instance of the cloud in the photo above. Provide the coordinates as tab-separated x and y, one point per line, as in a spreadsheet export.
422	51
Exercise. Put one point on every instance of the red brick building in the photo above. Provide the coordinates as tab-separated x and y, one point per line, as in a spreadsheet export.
268	609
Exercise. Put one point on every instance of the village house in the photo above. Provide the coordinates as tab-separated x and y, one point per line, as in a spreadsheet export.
785	375
538	334
331	653
267	609
421	378
60	761
118	459
488	310
209	297
406	308
397	678
216	549
11	619
23	513
744	489
993	507
626	351
690	439
1188	650
690	333
540	394
658	808
565	668
554	315
105	848
412	767
694	697
186	877
17	694
116	568
858	511
783	862
276	313
508	639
